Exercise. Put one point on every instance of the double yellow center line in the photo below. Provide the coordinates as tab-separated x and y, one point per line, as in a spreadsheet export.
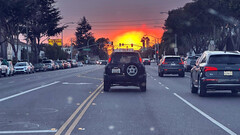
88	100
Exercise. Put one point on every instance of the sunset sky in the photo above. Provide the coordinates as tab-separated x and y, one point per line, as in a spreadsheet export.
115	19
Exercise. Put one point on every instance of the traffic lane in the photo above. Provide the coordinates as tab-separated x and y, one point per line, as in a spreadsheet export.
126	110
26	82
222	106
47	108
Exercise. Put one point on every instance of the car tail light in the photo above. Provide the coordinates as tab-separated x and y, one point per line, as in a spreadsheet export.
164	62
179	69
210	80
210	69
109	60
140	59
181	63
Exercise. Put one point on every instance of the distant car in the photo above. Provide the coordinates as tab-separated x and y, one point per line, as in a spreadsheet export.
80	64
60	63
22	67
10	68
125	69
65	64
190	62
32	68
4	69
171	64
146	61
50	64
40	67
56	65
216	70
69	65
103	62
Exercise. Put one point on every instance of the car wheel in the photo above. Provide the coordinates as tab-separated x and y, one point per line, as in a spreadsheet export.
193	88
201	89
181	74
143	86
106	86
235	92
6	74
160	74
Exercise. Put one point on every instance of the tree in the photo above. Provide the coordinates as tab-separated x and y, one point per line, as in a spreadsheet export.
82	33
102	45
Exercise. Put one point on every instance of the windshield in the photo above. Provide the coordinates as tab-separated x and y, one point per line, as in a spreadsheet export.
21	64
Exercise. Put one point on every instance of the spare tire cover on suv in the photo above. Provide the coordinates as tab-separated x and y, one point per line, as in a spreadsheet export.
131	70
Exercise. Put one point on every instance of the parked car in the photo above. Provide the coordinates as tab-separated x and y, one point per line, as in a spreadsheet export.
171	64
69	65
80	64
10	71
61	64
4	68
146	61
125	69
56	65
190	62
40	67
103	62
65	64
32	68
22	67
50	64
73	62
216	70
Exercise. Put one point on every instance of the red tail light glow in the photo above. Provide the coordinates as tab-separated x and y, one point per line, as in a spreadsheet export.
164	62
210	80
109	60
140	59
182	63
210	69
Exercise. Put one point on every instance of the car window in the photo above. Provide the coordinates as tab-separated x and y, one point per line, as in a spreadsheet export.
20	64
224	59
171	59
125	58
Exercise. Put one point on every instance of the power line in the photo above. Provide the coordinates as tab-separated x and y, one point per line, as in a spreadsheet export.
127	21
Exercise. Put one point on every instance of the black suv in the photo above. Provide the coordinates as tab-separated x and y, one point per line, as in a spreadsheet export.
125	69
216	70
171	65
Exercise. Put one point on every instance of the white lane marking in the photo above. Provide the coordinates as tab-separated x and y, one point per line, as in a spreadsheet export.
11	82
19	94
76	83
206	116
167	88
28	131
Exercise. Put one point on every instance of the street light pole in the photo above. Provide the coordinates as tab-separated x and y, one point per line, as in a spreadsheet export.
63	29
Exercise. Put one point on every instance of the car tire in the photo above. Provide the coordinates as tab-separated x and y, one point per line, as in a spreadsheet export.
235	92
201	89
193	88
160	74
6	74
143	86
106	86
181	74
135	66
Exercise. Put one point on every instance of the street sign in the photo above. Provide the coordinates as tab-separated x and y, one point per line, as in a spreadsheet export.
55	41
87	49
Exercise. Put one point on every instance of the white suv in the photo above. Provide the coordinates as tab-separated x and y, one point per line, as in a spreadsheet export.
22	67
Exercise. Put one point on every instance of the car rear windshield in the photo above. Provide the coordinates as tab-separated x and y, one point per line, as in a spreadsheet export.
224	59
20	64
125	58
172	59
47	61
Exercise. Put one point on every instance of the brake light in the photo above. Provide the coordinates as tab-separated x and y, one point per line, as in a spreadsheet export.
182	63
140	59
109	60
164	62
210	69
210	80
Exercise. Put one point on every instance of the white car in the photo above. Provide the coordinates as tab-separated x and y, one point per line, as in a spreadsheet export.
4	69
22	67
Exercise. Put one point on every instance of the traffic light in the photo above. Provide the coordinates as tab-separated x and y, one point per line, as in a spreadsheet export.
156	52
122	44
131	45
112	43
119	44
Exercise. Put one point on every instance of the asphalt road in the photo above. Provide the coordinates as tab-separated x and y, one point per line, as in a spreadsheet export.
71	101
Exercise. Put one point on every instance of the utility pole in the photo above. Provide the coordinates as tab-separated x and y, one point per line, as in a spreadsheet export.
71	48
175	48
27	43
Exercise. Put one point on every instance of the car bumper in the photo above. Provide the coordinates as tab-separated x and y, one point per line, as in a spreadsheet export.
222	84
172	71
124	80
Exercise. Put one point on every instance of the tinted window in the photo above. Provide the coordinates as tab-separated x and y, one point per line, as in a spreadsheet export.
224	59
125	58
172	59
48	61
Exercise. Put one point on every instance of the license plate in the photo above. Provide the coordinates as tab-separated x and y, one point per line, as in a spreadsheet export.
173	64
228	73
115	70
